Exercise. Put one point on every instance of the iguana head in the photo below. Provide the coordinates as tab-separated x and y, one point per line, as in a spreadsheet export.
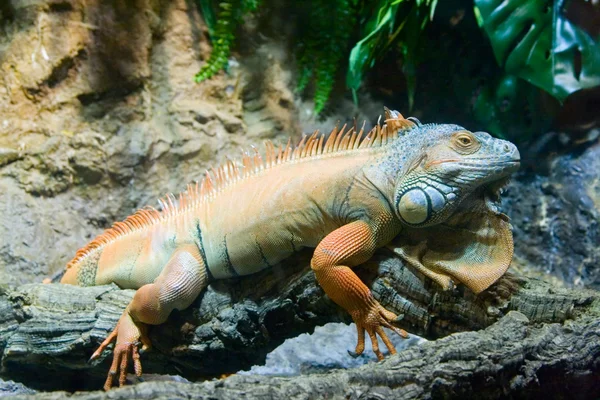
449	164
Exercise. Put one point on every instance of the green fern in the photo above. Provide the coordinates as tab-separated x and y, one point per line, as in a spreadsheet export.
222	36
326	27
323	46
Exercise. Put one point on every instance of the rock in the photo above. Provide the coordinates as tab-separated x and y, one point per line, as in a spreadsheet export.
10	388
317	352
7	156
556	219
100	116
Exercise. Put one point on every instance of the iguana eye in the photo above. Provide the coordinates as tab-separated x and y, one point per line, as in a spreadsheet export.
465	142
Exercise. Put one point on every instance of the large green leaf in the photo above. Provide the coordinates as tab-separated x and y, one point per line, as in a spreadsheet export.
383	28
410	44
532	40
377	31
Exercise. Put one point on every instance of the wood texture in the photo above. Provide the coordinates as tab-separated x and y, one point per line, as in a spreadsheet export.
51	330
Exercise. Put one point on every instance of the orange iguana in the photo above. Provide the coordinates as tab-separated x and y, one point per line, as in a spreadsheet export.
431	186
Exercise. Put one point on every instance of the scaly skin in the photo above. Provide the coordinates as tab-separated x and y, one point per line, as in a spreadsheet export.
406	180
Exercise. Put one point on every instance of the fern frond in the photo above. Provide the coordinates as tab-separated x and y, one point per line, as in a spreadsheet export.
323	46
306	73
228	18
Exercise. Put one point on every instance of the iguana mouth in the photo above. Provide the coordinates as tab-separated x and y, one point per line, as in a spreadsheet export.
492	191
474	162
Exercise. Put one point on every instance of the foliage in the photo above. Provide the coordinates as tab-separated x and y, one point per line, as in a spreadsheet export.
323	45
509	108
385	26
222	31
325	30
534	41
375	39
532	45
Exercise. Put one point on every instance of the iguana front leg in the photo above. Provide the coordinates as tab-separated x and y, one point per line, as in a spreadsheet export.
180	282
343	248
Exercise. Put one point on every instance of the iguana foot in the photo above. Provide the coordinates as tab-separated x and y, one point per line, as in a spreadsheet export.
372	319
129	336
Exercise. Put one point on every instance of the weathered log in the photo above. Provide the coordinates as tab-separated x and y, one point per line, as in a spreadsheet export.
513	358
51	330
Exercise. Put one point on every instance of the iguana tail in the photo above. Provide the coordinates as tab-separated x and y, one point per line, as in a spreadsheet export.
83	271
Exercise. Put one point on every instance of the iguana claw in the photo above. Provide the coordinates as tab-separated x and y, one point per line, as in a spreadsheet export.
129	336
372	319
353	354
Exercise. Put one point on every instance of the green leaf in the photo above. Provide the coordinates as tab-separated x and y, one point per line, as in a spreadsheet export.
378	28
386	25
208	14
532	40
410	44
511	108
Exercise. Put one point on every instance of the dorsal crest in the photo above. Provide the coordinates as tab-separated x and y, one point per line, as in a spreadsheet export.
252	163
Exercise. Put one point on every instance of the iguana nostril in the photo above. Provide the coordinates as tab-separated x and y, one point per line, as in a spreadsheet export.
506	148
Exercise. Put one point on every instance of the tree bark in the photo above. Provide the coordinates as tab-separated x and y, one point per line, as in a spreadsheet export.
549	343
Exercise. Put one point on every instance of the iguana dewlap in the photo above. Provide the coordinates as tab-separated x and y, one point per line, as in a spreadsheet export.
430	186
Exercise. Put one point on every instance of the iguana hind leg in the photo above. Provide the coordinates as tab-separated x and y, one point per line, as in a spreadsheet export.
343	248
180	282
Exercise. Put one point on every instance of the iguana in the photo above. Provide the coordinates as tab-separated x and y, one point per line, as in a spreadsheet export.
431	186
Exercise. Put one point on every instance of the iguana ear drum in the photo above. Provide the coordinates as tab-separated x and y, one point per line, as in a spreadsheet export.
414	207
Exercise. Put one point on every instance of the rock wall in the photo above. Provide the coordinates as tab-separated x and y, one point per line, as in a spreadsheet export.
99	116
556	218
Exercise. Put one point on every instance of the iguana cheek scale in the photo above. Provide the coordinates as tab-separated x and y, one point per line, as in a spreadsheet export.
345	196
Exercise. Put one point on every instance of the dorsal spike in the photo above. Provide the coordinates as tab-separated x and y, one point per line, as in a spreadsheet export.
181	200
415	120
352	138
331	140
320	144
392	114
384	135
229	167
246	162
217	181
377	139
257	159
269	153
288	150
279	156
359	138
396	123
208	183
172	201
307	150
346	139
313	147
298	150
163	206
368	140
338	138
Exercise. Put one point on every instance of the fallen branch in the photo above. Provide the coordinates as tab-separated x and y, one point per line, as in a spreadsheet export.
51	330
